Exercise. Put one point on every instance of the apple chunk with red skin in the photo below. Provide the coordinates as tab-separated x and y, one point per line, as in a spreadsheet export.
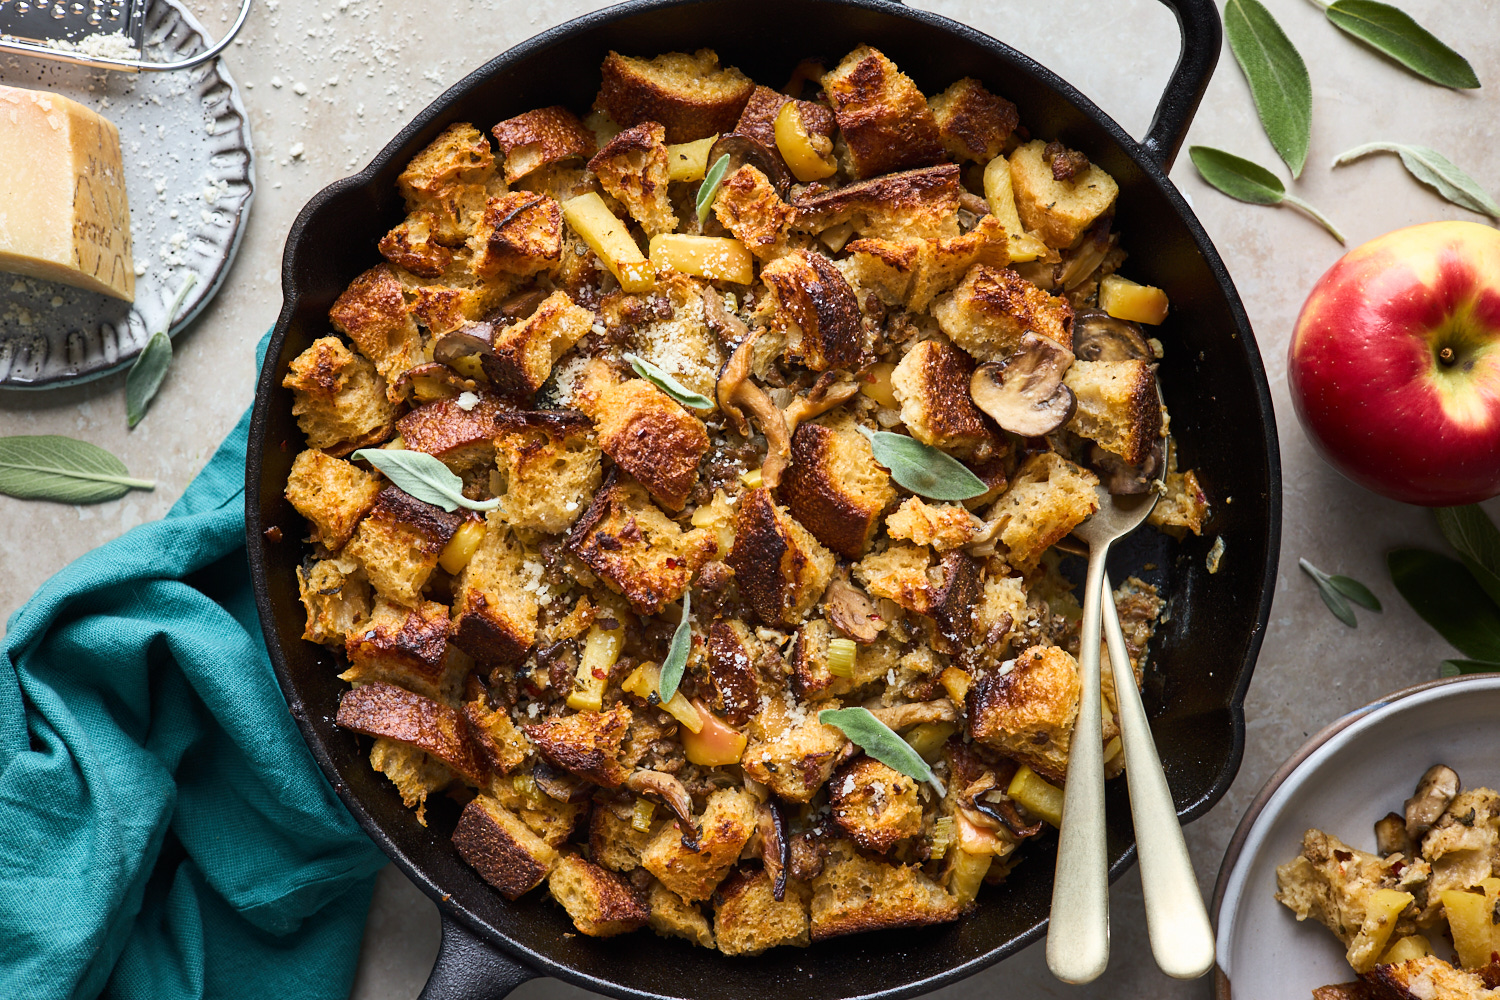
1395	364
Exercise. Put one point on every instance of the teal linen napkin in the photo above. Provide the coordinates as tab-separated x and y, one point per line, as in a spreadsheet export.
164	832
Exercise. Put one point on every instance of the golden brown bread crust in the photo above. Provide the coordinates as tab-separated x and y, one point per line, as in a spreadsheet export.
816	308
461	438
372	312
450	179
992	308
340	401
834	488
586	743
381	709
855	894
504	852
632	167
1059	211
412	246
1028	712
498	745
748	206
652	437
973	124
332	494
1118	406
781	568
794	756
601	903
932	385
672	917
526	351
914	204
549	461
520	233
688	94
882	116
337	598
912	272
748	920
398	543
727	821
1048	498
874	804
731	668
614	842
541	138
494	616
402	646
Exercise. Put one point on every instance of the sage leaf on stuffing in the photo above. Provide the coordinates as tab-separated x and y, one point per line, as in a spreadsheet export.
667	384
881	742
923	469
1435	170
63	470
424	477
1247	181
677	654
1278	78
709	189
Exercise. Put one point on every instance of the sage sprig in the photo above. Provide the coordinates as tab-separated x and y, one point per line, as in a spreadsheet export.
62	469
881	742
424	477
1459	598
677	654
923	469
151	364
1392	32
1278	78
709	189
1338	591
667	384
1250	182
1433	169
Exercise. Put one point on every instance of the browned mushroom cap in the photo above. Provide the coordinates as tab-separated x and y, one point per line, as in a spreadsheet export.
558	784
851	611
742	149
468	340
1390	836
1098	336
1434	793
668	789
1025	393
775	846
1123	479
440	377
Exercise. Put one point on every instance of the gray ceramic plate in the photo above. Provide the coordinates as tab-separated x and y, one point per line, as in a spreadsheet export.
190	176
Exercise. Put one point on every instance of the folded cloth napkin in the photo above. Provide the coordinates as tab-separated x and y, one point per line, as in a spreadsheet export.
164	832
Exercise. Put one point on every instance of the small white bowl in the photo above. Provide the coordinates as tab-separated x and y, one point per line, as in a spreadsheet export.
1342	780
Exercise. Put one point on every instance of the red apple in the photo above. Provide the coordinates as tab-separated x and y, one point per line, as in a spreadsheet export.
1395	364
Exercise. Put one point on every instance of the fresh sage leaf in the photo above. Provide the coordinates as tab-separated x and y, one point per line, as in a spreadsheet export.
62	469
1355	591
1247	181
1445	594
1393	32
1470	531
709	189
881	742
677	654
1335	599
424	477
151	364
1435	170
1278	78
667	384
923	469
1453	668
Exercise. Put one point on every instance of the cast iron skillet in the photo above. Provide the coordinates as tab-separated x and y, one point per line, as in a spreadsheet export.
1221	416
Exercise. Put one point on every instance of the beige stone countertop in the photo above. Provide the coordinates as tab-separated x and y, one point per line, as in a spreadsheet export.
368	66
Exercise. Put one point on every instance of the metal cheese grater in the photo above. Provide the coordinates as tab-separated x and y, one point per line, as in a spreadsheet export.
27	26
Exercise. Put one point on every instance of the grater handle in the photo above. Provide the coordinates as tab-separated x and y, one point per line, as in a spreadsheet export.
130	65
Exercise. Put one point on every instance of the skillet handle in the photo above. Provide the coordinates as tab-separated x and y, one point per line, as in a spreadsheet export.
470	969
1202	37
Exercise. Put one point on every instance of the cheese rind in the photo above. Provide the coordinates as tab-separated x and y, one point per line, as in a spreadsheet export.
64	215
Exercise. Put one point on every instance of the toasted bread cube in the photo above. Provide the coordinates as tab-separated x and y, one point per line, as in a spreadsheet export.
1028	712
337	598
543	815
456	298
1184	507
633	169
373	313
463	438
614	842
1058	210
748	206
637	550
495	600
520	233
874	804
413	247
682	344
855	894
601	903
541	138
415	773
758	120
911	273
992	308
526	351
794	756
815	308
834	487
549	467
332	494
1118	407
690	95
1427	975
914	204
883	118
651	436
781	568
899	573
1049	497
736	656
932	385
404	646
812	678
943	526
973	124
748	920
671	916
1342	887
498	745
724	826
339	400
586	743
381	709
501	848
398	544
451	179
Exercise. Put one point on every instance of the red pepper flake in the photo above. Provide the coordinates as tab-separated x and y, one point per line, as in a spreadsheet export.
598	673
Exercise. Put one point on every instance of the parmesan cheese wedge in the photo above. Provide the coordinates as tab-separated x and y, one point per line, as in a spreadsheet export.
63	210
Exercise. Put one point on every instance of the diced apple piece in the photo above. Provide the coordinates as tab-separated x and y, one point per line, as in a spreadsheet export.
927	739
1382	910
600	651
461	547
792	139
607	236
1405	949
645	681
966	873
1002	201
1124	299
1037	796
878	384
1471	920
717	744
688	161
717	258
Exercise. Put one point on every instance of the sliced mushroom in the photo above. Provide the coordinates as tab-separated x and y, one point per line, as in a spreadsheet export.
775	846
522	304
914	713
825	394
998	806
1098	336
1025	393
742	149
851	611
668	789
558	784
467	341
728	327
1390	836
439	377
1435	792
1122	478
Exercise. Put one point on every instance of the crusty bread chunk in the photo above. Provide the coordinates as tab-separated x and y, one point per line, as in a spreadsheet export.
543	815
874	804
833	486
914	204
373	313
897	573
1427	976
855	894
735	656
339	399
412	246
381	709
498	745
495	599
520	233
525	352
651	436
1184	507
912	272
792	753
1048	498
884	121
680	344
332	494
1028	711
992	308
690	95
932	385
585	743
1464	844
973	124
549	466
405	646
748	920
812	679
462	436
541	138
415	773
337	598
454	299
451	178
671	916
1118	406
601	903
632	167
814	307
693	872
1057	210
501	848
748	206
398	544
781	568
614	842
944	526
636	549
1002	607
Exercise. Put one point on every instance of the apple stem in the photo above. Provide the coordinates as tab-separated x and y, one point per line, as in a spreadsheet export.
1293	200
1446	356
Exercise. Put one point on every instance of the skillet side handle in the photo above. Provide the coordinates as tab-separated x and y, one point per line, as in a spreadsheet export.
470	969
1202	37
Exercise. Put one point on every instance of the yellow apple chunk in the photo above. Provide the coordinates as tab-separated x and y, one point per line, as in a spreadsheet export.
1001	197
1381	913
688	161
717	744
607	236
796	147
1037	796
645	681
1405	949
1124	299
717	258
1471	920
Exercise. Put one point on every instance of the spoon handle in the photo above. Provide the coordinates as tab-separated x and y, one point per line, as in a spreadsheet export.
1078	936
1181	938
